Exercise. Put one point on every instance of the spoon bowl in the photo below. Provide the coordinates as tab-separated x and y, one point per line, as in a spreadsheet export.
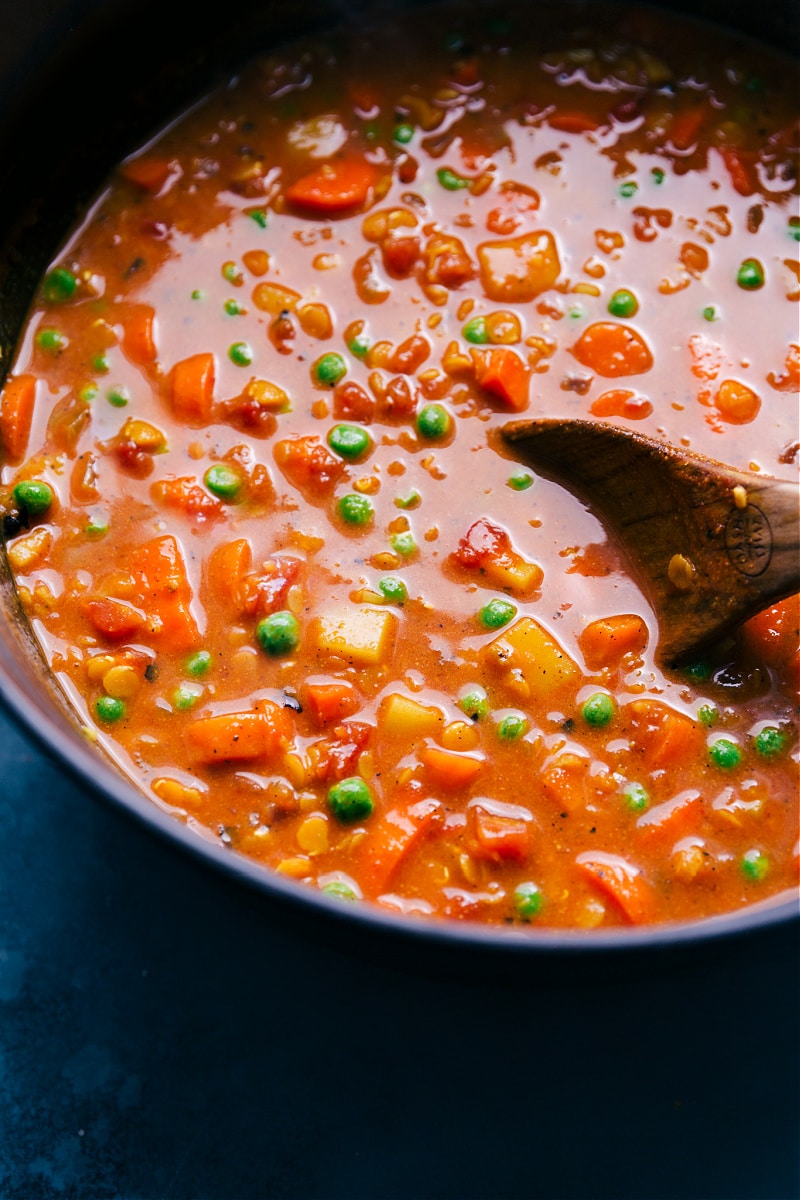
710	545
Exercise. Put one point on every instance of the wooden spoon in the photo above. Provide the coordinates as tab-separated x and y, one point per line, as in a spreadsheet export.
710	545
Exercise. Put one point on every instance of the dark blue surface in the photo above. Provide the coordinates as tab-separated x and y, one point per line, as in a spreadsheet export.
161	1039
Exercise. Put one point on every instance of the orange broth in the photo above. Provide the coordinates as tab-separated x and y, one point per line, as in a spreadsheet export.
263	528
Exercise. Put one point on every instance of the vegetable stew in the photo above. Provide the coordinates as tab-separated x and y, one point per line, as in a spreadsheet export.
260	517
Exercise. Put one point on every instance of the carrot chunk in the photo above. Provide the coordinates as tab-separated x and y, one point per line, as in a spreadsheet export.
392	839
192	386
335	187
240	737
186	495
115	619
503	373
138	336
611	350
605	642
496	837
227	566
674	818
330	701
622	882
662	735
16	415
148	172
163	591
450	769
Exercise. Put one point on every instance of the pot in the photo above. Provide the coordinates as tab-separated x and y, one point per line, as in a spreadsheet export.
81	85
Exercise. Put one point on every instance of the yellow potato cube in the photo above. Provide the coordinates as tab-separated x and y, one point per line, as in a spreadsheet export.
363	636
529	648
401	716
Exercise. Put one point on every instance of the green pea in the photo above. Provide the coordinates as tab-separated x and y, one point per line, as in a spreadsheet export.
528	900
339	890
231	272
707	715
475	331
755	865
96	527
393	589
88	393
355	509
448	179
108	709
576	311
350	799
51	340
279	633
403	134
598	709
100	364
359	345
750	275
794	228
512	727
497	613
769	741
330	369
198	664
259	216
34	496
433	422
350	441
223	481
725	754
637	797
474	703
118	397
711	313
698	671
241	354
186	696
233	308
403	544
412	500
658	175
623	304
59	285
628	189
520	482
198	294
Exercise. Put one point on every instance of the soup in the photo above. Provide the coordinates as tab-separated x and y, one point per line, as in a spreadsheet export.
264	526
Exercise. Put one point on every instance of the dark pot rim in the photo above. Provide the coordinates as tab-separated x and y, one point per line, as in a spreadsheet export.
35	702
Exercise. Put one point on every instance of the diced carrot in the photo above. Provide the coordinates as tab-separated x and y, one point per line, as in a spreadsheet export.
605	641
620	402
335	187
239	737
138	334
227	566
115	619
623	882
450	769
192	386
737	403
571	122
611	349
774	636
741	166
148	172
336	757
310	466
330	701
565	780
685	127
496	837
187	495
164	592
392	838
486	549
503	373
674	818
663	736
16	415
